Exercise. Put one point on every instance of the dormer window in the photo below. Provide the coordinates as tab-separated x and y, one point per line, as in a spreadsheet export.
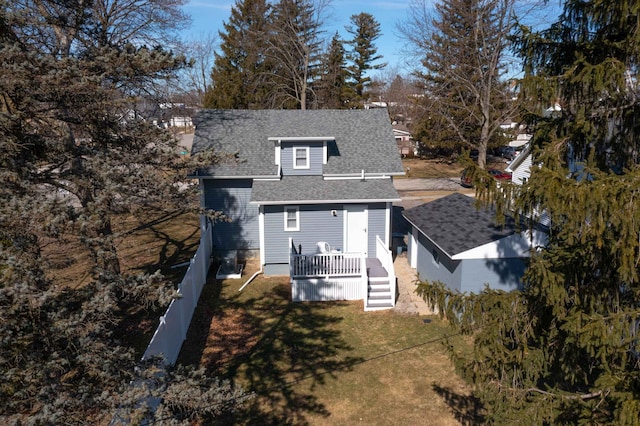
301	157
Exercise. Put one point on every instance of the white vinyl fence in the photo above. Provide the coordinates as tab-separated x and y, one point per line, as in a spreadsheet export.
172	331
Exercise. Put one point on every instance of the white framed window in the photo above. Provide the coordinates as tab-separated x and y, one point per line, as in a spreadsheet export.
291	218
301	157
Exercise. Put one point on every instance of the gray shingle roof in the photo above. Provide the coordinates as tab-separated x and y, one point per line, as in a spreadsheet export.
364	139
308	189
455	225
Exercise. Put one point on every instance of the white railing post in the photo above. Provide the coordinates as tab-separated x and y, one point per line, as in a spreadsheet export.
363	277
292	260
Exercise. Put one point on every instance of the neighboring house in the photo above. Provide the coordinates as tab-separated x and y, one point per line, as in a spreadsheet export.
404	140
452	241
520	167
303	178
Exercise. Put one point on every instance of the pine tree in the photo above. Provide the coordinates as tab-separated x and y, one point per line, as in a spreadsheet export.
74	154
565	350
240	70
363	54
462	49
331	88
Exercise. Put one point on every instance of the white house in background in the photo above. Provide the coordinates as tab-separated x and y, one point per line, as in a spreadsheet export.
180	121
404	140
520	167
521	140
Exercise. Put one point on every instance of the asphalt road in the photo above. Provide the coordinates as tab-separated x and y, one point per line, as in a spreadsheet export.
438	184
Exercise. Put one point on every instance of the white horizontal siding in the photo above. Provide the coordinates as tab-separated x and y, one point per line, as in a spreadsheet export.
522	172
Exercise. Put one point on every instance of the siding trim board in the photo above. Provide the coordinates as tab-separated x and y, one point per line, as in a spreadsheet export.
261	230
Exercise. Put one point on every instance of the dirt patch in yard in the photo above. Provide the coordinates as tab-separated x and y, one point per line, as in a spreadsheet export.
231	335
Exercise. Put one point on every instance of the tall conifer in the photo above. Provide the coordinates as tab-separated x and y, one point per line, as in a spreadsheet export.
331	89
75	154
241	67
566	349
363	55
294	48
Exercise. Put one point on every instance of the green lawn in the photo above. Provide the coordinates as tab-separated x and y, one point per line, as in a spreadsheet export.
325	363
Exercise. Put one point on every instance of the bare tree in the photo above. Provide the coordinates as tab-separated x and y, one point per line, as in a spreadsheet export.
295	47
196	79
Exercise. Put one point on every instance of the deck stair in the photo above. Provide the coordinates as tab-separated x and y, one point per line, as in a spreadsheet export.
378	287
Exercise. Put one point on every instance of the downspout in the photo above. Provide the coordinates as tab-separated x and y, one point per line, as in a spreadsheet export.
251	279
261	231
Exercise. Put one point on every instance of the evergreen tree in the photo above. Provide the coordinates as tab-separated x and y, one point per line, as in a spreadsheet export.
363	54
241	68
462	49
74	153
565	350
331	89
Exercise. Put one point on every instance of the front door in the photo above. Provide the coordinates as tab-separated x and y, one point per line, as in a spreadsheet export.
356	228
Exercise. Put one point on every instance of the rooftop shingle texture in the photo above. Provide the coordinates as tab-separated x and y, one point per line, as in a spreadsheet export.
308	189
456	225
363	139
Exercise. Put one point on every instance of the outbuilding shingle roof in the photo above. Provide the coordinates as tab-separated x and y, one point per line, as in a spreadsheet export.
456	225
363	139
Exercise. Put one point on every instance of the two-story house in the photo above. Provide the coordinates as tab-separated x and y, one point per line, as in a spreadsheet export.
308	192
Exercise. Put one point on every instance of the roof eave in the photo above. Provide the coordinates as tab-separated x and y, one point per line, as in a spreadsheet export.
348	201
367	175
427	237
269	177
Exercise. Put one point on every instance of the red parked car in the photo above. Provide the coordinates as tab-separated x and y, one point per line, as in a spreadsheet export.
499	175
465	178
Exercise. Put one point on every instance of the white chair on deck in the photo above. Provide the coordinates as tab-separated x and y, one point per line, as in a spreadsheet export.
323	247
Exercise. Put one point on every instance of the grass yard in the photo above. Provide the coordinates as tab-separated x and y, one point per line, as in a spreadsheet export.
325	363
417	168
148	242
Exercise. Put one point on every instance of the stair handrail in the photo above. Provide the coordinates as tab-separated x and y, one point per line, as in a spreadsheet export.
385	257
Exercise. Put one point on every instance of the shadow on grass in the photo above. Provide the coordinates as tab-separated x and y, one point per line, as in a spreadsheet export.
467	409
277	350
172	241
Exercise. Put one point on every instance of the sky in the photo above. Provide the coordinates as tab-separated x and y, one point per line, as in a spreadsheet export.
208	15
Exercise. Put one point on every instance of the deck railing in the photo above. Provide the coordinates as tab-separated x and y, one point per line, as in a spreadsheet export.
324	264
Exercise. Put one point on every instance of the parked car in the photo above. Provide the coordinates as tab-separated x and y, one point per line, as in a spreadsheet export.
465	179
507	152
499	175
